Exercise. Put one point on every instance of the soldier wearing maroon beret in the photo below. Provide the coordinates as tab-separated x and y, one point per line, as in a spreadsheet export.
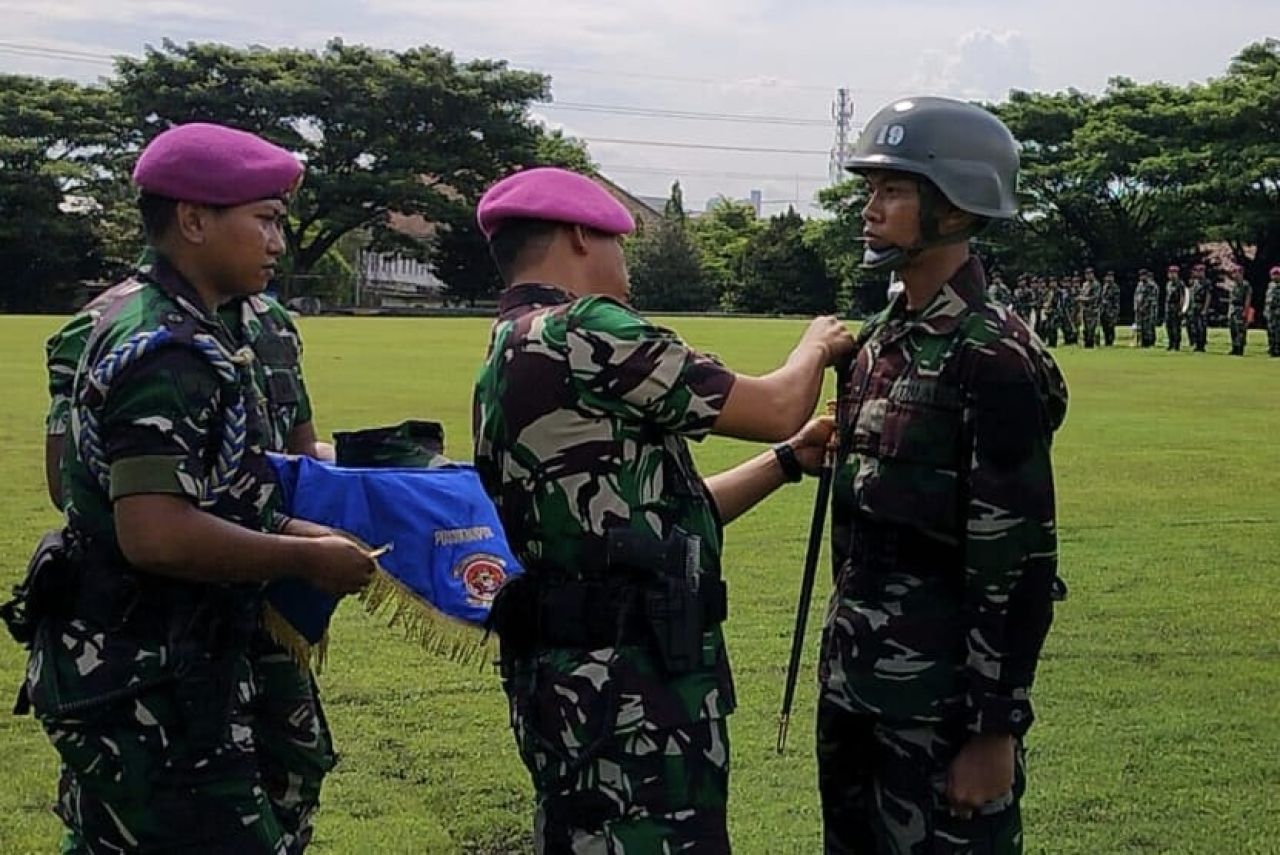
612	652
142	676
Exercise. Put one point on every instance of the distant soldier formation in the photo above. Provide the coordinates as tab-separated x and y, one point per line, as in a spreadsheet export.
1081	309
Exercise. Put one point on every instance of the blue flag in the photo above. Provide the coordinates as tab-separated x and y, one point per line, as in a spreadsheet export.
446	555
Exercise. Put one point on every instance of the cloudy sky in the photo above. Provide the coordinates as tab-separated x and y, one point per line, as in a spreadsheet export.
768	69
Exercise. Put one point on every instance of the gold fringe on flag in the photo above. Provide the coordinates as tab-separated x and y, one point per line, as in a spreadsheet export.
423	624
307	655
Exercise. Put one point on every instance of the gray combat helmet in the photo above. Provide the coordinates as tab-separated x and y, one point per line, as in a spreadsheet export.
967	153
962	150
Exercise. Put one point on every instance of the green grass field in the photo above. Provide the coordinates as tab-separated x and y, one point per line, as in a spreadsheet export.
1158	697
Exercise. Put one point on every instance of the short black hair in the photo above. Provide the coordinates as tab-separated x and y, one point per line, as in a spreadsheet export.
159	212
519	241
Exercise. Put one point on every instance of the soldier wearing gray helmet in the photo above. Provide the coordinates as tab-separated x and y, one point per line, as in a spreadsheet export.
943	532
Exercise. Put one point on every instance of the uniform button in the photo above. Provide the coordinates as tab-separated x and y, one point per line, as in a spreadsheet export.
1016	716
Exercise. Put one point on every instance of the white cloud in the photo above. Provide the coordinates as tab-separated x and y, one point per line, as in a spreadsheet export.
756	57
120	10
981	65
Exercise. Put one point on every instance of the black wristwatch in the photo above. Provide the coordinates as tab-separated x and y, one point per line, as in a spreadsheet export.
790	464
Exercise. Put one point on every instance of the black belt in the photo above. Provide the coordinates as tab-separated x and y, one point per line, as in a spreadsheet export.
537	611
591	614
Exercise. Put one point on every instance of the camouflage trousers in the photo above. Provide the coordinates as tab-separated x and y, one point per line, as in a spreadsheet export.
135	779
1146	331
883	789
291	740
1108	329
1090	328
1273	335
1069	330
1239	331
292	737
1050	333
1173	330
1197	331
636	791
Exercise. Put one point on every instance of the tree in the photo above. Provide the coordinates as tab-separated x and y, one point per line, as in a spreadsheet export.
1085	199
782	274
666	267
838	240
382	133
722	235
51	132
1223	157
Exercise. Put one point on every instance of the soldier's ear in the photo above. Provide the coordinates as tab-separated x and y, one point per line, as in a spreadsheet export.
578	239
190	222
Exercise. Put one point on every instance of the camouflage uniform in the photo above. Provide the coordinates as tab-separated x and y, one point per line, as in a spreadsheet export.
1237	300
1077	308
944	560
1024	302
1050	315
999	293
145	684
1197	321
1090	309
582	414
1110	310
1066	309
1146	310
295	746
1174	295
1271	313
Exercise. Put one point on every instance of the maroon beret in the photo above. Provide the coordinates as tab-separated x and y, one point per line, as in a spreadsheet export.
215	165
548	193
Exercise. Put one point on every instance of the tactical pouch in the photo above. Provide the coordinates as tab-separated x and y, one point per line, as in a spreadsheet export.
50	577
672	576
514	617
210	644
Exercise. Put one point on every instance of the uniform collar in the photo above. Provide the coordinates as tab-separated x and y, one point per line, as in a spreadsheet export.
178	288
528	296
962	294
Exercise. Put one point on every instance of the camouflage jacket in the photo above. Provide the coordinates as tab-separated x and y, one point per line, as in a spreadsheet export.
1091	295
1271	304
1024	300
1175	292
159	424
946	419
1238	295
582	415
1201	297
1066	300
259	321
1146	300
1000	294
1111	299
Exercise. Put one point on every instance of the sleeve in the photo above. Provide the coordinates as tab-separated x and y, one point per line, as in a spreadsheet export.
1011	555
625	365
62	357
156	423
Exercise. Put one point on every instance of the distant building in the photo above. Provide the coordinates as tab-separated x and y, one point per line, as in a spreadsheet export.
388	281
646	210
